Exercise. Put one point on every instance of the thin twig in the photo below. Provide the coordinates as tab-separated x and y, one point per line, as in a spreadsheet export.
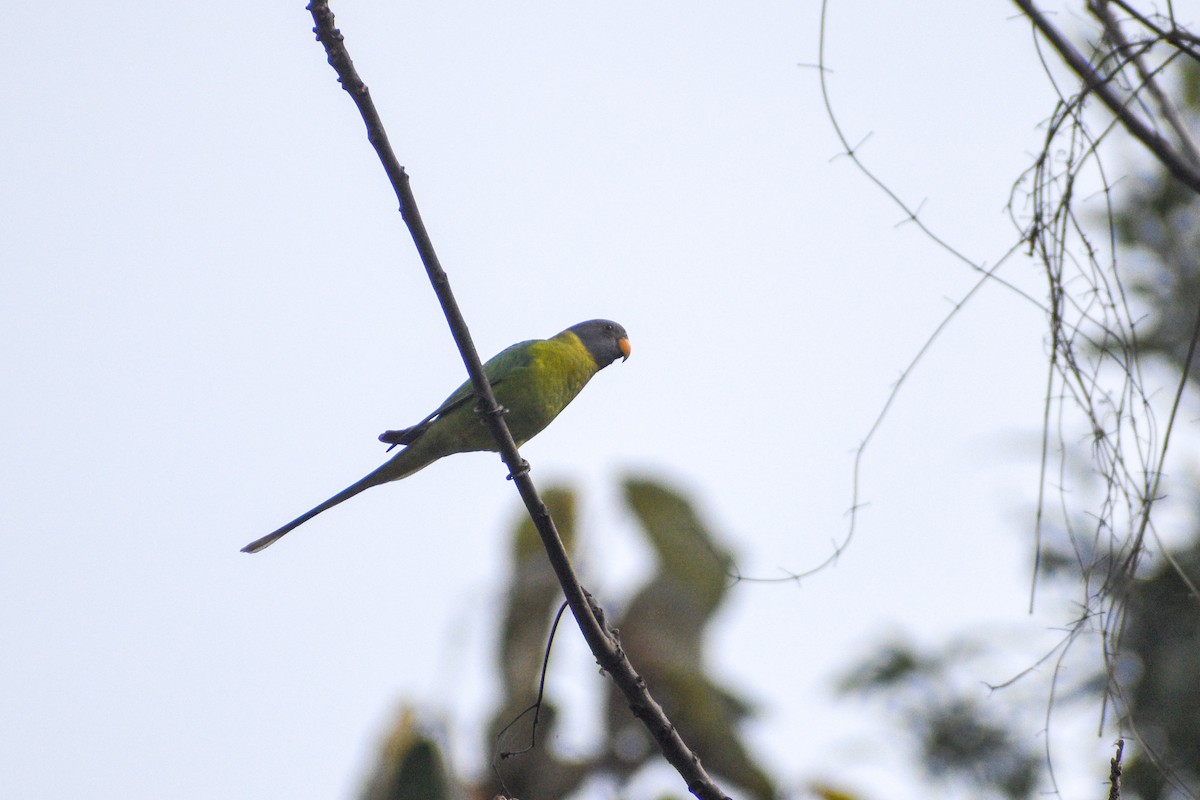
1179	38
1095	317
987	275
603	644
536	705
1099	85
1112	29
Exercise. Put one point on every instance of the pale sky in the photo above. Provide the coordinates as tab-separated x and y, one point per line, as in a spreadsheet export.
210	308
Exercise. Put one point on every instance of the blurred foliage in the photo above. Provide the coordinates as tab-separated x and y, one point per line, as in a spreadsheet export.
958	737
661	628
1156	222
824	792
1162	640
410	766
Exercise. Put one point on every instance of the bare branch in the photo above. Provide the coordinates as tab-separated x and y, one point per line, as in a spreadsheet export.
601	639
1184	170
1112	29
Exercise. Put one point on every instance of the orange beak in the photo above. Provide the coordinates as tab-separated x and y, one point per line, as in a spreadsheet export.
625	348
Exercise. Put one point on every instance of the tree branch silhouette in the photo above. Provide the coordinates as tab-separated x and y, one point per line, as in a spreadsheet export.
601	639
1185	170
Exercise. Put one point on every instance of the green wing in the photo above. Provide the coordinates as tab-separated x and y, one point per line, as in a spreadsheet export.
497	368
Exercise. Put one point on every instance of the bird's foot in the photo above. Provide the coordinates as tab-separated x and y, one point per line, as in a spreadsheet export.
522	469
499	412
396	438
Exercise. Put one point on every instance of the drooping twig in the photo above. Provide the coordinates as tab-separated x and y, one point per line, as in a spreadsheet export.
987	275
536	705
1080	324
602	642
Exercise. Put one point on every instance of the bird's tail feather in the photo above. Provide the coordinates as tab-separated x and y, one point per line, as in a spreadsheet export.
391	471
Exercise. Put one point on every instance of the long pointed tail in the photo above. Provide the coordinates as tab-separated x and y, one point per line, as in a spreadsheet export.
345	494
401	465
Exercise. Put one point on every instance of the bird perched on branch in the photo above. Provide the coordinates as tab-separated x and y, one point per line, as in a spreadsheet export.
533	381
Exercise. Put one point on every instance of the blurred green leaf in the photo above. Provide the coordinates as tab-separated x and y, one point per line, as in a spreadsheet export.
888	666
663	629
1162	642
534	597
410	767
686	550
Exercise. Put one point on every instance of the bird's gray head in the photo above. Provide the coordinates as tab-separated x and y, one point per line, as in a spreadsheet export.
604	339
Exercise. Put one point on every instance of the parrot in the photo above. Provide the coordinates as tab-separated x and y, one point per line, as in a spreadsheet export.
533	381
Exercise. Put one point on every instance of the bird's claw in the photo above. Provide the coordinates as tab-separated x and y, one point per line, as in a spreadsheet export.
523	469
499	412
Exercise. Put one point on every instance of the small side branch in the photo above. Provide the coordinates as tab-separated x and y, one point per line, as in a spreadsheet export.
603	643
1114	772
1179	166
